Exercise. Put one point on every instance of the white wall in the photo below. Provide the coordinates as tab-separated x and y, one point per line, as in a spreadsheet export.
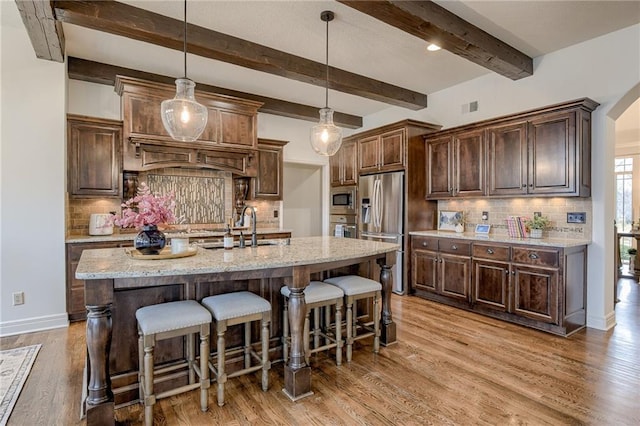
603	69
302	205
32	182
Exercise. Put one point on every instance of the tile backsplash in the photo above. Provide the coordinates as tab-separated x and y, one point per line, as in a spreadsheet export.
204	199
555	209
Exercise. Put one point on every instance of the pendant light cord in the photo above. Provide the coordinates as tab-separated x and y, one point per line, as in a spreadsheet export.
185	39
326	86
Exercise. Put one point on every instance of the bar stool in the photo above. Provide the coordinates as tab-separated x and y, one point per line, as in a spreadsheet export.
356	288
317	295
230	309
164	321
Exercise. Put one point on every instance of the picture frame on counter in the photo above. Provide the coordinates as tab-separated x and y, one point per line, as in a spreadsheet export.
448	219
483	229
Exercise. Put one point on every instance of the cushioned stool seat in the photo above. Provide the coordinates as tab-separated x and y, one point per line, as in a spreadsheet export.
316	296
356	288
164	321
230	309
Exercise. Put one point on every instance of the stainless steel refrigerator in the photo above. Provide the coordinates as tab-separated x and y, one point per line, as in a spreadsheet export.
381	216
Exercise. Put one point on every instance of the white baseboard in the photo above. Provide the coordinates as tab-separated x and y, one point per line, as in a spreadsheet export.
29	325
602	323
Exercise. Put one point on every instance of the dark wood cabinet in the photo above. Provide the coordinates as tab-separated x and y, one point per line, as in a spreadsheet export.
343	165
76	309
268	182
539	287
456	165
543	152
382	153
94	160
441	267
229	141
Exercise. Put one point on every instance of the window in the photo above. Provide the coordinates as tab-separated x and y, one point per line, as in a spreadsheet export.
624	211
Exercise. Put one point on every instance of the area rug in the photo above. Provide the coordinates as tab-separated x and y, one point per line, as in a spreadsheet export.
15	365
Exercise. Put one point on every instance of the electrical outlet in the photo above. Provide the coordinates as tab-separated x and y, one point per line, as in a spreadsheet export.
275	213
18	298
485	215
577	217
537	214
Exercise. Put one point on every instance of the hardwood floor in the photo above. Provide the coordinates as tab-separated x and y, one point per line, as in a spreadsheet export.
449	367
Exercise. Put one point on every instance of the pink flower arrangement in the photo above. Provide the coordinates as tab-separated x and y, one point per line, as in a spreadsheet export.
147	209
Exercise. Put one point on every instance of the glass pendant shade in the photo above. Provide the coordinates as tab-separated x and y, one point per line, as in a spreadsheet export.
183	117
326	137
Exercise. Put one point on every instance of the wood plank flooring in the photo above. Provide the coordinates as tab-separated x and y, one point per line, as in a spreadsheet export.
449	367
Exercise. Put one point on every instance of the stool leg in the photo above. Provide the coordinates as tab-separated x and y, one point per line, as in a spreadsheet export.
349	328
222	377
327	323
285	331
376	323
204	367
338	334
191	356
316	327
149	398
140	367
305	339
247	344
266	365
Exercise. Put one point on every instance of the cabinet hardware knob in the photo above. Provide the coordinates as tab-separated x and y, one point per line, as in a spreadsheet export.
530	185
506	272
454	247
425	244
524	185
513	272
490	251
533	256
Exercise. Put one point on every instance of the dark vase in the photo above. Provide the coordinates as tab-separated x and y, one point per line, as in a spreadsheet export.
150	240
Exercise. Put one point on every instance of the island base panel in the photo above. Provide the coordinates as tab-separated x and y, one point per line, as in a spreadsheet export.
297	383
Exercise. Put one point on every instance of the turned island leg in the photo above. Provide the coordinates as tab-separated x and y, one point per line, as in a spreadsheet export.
297	374
99	402
387	326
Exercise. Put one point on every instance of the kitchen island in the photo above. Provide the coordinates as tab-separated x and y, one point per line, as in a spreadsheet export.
117	284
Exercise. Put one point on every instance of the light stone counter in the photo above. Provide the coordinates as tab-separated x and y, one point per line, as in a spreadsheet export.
549	242
129	236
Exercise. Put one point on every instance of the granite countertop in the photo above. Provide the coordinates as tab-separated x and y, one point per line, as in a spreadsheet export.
549	242
116	263
129	236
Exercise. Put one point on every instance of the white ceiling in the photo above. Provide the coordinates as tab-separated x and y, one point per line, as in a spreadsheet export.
357	43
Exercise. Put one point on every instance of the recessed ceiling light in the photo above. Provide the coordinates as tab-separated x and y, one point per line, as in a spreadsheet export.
433	47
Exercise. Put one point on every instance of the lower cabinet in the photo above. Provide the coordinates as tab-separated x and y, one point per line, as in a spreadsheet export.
539	287
75	288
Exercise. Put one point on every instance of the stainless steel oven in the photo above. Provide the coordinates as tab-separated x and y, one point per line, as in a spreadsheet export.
343	225
343	200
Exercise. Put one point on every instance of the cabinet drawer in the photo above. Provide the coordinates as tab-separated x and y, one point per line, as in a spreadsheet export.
424	243
536	256
462	248
492	251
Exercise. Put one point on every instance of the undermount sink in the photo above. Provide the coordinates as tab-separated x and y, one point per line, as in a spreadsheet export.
236	244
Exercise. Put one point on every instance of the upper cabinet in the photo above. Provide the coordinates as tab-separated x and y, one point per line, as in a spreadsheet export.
344	164
268	182
384	152
93	149
456	165
229	141
545	152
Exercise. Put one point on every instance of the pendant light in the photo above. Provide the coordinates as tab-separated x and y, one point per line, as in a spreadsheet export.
183	117
326	137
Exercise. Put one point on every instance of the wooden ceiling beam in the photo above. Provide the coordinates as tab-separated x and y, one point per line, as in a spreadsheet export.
44	31
139	24
97	72
435	24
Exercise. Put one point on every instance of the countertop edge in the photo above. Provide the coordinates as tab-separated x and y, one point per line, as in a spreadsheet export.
544	242
75	238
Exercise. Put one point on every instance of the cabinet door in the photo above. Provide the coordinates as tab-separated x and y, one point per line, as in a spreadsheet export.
368	154
490	285
424	270
268	184
349	160
237	129
507	159
94	157
439	163
455	276
392	150
535	293
469	162
552	154
335	169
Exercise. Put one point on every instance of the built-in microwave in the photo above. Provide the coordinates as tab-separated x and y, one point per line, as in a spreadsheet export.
343	200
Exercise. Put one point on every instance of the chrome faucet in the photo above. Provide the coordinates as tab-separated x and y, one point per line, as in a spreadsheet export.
254	236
